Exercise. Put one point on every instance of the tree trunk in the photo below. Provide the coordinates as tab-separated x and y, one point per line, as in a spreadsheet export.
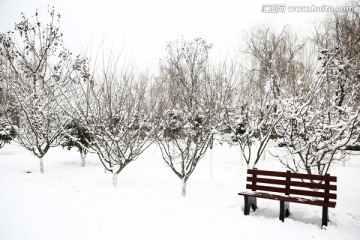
41	165
115	178
183	190
83	158
241	158
342	157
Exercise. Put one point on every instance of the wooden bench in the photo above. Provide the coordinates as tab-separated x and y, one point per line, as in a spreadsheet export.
289	187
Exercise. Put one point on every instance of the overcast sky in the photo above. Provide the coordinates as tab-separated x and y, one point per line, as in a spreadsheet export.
145	26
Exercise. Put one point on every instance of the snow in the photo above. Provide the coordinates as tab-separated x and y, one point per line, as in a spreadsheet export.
73	202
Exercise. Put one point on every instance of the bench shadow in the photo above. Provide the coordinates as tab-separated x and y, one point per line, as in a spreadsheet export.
271	211
312	216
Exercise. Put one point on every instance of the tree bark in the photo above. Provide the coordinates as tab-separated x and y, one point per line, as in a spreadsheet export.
83	158
41	165
183	190
115	178
241	158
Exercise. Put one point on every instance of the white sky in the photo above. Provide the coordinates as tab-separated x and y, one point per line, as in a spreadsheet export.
144	26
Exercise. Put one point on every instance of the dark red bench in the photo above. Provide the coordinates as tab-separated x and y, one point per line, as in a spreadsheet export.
289	187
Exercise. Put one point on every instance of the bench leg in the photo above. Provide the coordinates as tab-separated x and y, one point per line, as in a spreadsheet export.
325	216
284	210
249	202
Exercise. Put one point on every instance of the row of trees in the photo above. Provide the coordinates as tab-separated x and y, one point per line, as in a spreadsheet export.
314	97
304	93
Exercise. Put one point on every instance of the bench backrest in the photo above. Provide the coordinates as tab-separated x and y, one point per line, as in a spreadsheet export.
292	183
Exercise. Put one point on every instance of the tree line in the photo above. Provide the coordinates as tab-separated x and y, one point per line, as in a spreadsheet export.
303	92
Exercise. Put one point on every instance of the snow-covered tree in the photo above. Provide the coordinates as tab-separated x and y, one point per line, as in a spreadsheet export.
7	133
339	33
77	136
274	64
184	137
315	126
111	105
122	130
251	127
315	134
187	118
35	67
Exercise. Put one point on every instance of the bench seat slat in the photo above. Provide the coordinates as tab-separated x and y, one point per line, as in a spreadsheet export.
292	183
292	175
291	191
289	199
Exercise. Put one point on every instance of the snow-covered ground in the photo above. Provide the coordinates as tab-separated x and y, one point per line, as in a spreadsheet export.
74	202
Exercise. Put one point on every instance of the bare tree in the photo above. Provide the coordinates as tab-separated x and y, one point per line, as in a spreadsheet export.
276	61
186	122
35	66
251	126
111	105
